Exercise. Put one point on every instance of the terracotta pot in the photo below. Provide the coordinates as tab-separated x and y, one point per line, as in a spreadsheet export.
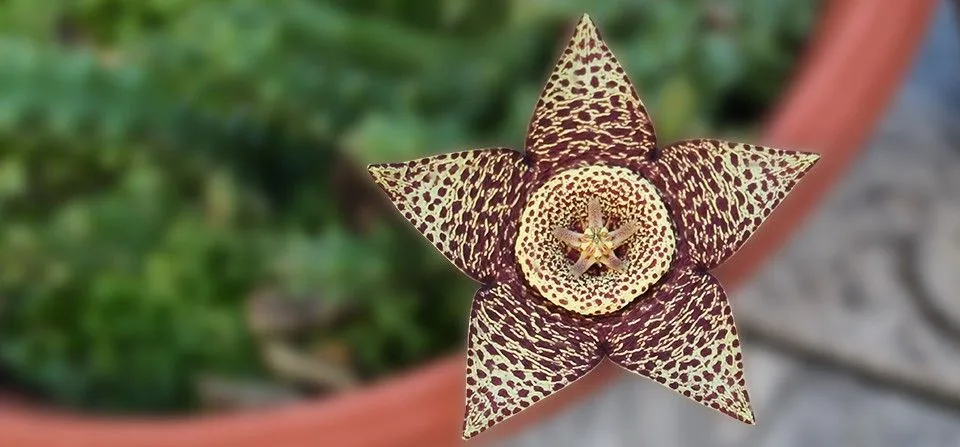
856	60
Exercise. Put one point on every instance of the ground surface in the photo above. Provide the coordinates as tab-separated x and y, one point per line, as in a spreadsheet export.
870	289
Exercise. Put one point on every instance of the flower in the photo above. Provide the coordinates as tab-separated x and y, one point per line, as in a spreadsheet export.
595	242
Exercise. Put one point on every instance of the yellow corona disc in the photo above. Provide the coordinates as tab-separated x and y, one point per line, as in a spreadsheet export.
561	209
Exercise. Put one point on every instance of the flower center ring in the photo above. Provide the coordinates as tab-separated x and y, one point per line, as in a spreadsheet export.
593	239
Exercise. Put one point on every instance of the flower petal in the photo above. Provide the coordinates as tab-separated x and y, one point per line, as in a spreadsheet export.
720	192
465	203
521	350
683	336
589	109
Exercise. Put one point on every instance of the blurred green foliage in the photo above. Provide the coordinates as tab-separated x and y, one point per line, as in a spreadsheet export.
160	160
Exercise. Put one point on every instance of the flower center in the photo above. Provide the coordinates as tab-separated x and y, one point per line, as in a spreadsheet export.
593	239
596	244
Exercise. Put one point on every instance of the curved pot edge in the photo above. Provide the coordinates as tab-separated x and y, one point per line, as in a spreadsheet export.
869	44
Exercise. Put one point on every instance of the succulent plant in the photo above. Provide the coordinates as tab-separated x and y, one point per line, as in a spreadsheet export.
595	241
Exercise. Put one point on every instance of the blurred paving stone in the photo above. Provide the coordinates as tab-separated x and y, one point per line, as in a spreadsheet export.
849	282
828	410
936	261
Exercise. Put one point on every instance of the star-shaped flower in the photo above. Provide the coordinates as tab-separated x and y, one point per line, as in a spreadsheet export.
595	242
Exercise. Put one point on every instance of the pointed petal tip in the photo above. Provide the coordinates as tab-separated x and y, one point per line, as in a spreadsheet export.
471	430
745	413
374	170
808	159
380	172
804	161
742	410
387	176
376	174
586	29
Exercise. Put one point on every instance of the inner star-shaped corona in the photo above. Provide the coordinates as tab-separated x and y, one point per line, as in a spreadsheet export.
597	244
632	281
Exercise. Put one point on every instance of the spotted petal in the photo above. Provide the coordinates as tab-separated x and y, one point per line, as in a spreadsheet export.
465	203
521	350
683	336
589	109
720	192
